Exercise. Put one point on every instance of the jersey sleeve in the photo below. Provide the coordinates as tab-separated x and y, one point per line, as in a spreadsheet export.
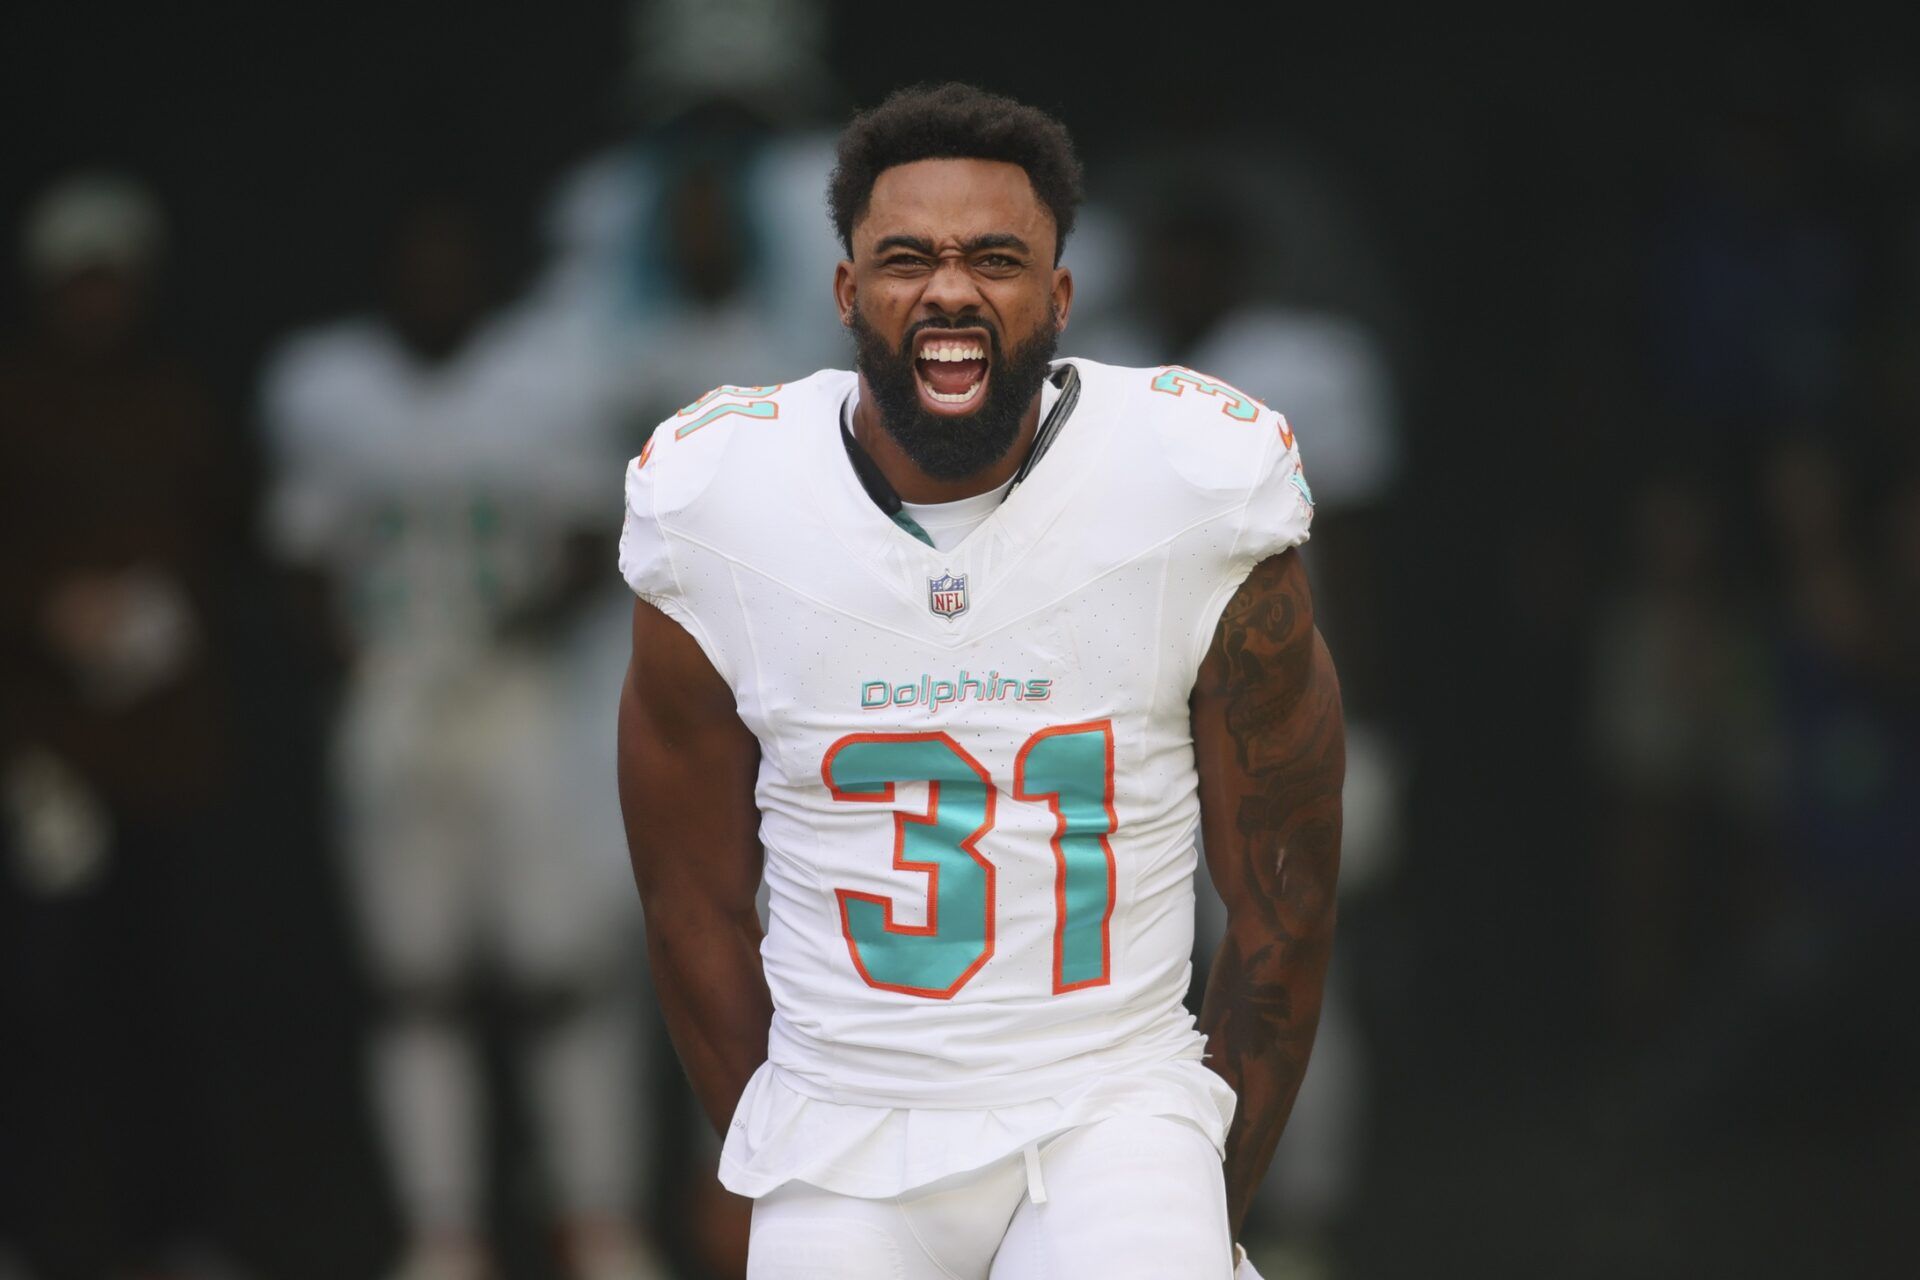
1279	508
306	500
1275	514
658	567
646	562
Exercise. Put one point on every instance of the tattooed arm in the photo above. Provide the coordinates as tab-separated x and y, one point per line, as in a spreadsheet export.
1271	753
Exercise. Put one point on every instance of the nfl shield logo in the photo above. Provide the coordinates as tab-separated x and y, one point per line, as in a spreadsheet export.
947	596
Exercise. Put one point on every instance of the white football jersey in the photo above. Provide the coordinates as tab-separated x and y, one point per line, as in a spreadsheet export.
977	781
438	496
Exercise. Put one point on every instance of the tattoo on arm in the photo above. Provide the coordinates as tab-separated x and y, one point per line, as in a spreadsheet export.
1271	747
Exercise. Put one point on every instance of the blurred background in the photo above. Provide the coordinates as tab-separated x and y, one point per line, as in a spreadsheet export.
327	329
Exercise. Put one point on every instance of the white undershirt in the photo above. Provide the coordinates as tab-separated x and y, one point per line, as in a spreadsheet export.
947	523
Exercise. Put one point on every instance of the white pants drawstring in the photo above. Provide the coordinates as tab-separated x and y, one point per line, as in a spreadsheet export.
1036	1185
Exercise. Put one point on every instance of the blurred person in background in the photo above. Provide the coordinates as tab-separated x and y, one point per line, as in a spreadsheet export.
434	474
1211	287
1844	933
116	511
1774	757
1756	733
1686	754
691	254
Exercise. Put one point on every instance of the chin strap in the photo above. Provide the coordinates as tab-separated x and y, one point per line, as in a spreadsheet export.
1067	378
874	481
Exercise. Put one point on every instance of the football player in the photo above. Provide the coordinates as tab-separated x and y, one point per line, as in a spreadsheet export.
956	653
428	462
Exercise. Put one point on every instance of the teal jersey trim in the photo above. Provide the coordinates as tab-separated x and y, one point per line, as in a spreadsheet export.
912	526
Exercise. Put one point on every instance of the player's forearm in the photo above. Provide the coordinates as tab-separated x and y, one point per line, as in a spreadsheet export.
686	767
1261	1009
1271	751
713	994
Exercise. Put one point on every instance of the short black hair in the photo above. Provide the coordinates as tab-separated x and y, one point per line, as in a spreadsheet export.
953	122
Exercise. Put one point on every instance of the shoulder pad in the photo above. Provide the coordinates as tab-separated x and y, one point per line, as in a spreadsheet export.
1215	437
725	432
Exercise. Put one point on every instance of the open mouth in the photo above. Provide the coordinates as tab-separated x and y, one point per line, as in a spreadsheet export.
951	367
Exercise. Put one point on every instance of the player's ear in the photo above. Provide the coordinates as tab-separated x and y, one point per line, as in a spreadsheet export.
1062	296
843	291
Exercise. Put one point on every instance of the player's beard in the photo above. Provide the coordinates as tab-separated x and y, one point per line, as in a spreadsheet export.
953	448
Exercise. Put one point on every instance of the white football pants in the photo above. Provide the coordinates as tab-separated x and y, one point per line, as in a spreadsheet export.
481	827
1128	1198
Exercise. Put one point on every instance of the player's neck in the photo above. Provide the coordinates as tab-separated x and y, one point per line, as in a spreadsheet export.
916	486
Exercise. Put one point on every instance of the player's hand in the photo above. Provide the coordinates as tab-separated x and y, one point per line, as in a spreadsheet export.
1243	1266
123	634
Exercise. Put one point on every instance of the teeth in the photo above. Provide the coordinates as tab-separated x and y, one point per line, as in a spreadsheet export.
958	398
952	352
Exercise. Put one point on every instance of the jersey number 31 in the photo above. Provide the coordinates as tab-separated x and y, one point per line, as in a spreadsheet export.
1069	768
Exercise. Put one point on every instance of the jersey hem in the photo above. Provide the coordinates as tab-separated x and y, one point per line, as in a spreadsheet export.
779	1136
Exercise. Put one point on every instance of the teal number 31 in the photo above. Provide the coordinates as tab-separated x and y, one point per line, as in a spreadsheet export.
1069	768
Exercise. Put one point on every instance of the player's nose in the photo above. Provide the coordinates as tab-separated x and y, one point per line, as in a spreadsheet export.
952	290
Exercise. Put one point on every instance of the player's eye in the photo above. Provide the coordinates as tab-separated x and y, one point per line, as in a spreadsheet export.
906	262
999	262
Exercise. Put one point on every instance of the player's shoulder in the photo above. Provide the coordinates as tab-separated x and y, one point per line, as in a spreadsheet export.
1194	428
327	354
736	439
319	383
344	343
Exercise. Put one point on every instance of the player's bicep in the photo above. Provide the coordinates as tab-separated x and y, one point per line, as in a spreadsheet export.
687	766
1269	745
